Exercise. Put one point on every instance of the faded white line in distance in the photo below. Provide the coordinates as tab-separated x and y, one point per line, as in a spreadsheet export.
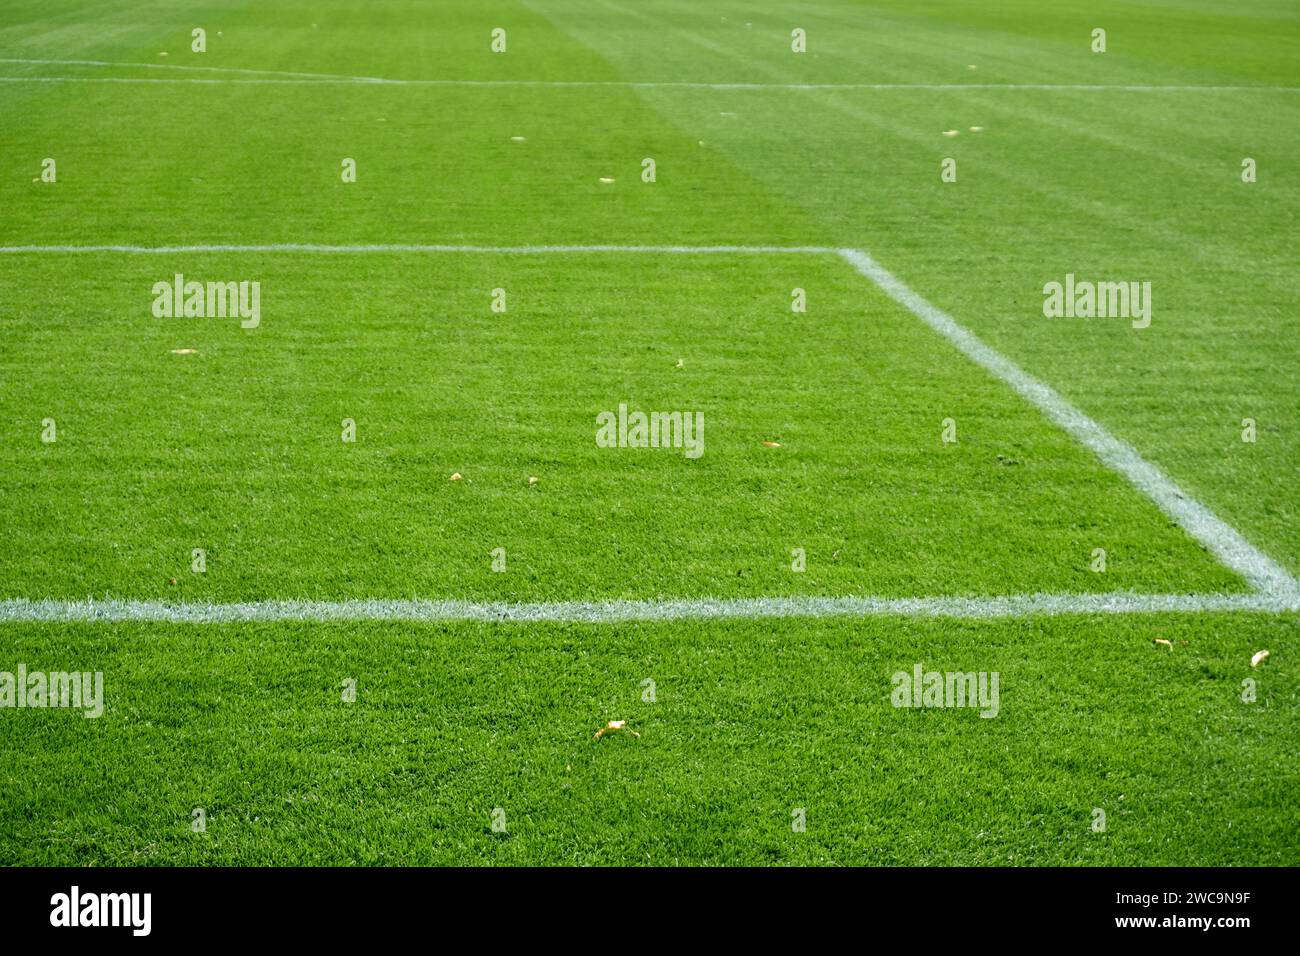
295	78
599	612
183	67
1232	550
650	85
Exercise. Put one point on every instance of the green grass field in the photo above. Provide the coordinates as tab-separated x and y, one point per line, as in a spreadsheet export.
824	431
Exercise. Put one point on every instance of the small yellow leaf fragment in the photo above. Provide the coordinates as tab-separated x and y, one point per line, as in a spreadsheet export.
772	444
532	480
1163	643
614	725
1259	658
680	363
455	477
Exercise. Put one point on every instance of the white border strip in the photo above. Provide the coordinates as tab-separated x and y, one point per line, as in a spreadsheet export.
1232	550
650	85
192	68
603	612
295	78
404	247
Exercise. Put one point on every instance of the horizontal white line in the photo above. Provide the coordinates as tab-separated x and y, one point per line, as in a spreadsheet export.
194	68
415	247
1024	605
634	84
296	78
1232	550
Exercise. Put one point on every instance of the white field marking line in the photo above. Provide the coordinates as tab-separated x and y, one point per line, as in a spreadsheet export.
192	68
1232	550
404	247
285	77
604	612
650	85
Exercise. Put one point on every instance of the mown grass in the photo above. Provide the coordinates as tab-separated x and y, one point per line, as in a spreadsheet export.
751	720
236	448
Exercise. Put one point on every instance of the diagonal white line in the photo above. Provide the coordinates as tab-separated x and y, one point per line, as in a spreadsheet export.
1222	540
1013	606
